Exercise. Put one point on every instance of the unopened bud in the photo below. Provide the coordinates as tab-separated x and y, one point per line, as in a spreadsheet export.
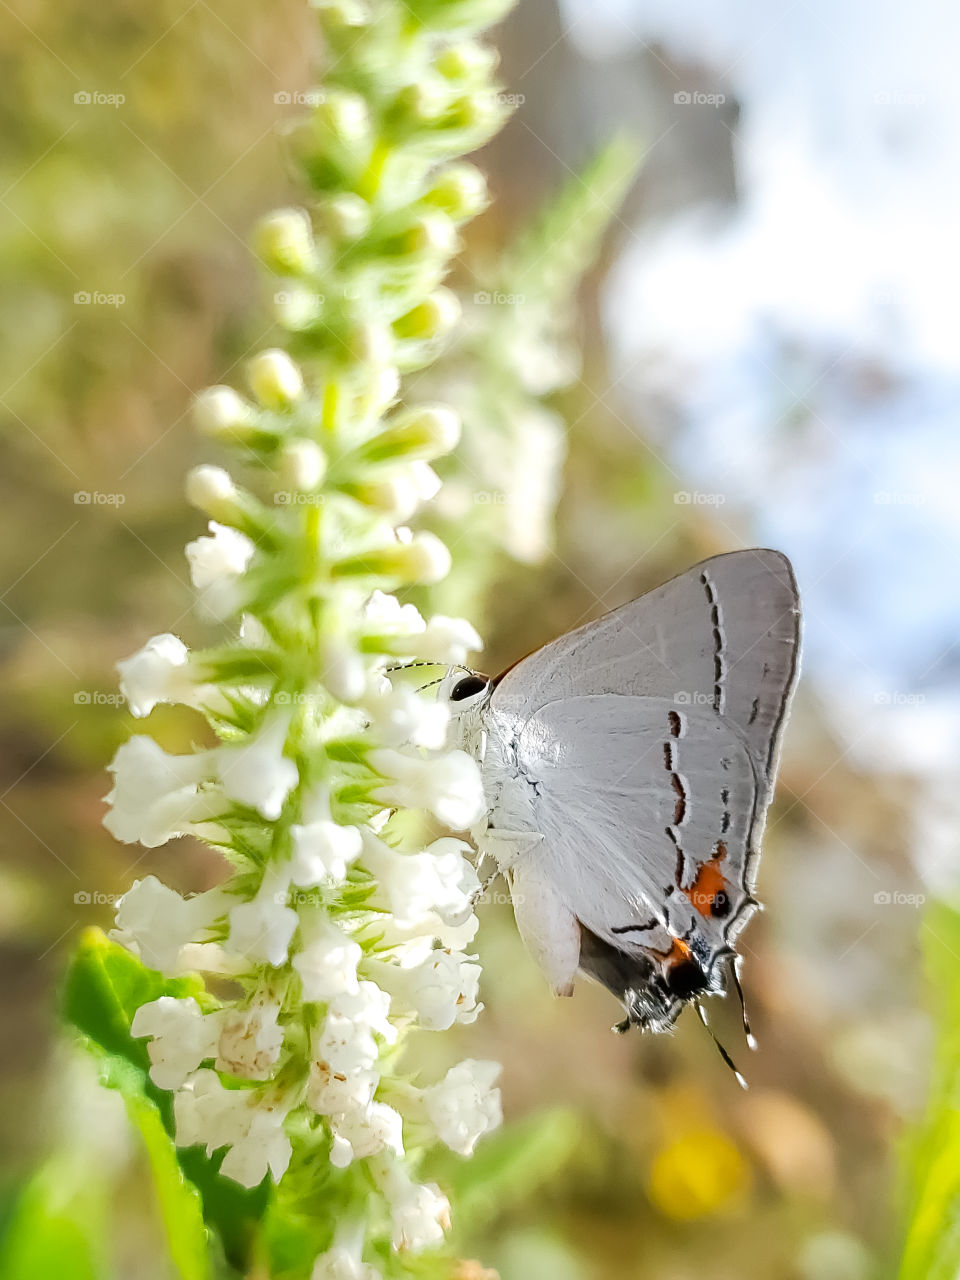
284	241
433	317
467	61
346	217
424	559
460	191
274	379
422	433
220	411
302	465
211	490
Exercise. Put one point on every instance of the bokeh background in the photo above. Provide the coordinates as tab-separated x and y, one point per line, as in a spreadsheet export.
764	351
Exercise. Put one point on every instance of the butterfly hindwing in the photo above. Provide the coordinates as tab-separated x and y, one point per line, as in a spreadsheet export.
643	748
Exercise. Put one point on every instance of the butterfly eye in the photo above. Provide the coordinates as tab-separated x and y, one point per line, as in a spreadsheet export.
468	687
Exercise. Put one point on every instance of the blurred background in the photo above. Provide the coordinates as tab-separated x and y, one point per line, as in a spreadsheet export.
763	351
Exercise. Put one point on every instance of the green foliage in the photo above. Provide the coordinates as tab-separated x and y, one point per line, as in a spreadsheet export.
58	1228
509	1166
104	987
932	1247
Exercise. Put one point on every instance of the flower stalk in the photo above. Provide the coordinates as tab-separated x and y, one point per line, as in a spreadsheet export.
337	933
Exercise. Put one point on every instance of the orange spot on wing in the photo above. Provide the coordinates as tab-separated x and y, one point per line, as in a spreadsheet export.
708	893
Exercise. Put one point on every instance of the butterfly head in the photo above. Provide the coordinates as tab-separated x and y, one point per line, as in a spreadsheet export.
465	694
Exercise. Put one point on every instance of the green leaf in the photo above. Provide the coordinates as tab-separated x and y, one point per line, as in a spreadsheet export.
57	1227
932	1247
105	986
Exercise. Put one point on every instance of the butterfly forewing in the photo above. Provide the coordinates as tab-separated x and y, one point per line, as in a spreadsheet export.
643	748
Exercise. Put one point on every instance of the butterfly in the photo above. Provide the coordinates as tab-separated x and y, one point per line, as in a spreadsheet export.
628	767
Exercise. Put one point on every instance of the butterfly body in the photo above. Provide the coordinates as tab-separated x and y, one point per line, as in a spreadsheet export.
627	769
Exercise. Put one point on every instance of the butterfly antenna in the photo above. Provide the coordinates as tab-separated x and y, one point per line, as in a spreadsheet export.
738	987
741	1081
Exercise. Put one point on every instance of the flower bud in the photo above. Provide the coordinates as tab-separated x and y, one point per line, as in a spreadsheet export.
274	379
297	308
433	317
397	495
346	217
432	235
467	61
302	465
371	344
460	191
284	242
421	433
211	490
345	116
219	411
424	559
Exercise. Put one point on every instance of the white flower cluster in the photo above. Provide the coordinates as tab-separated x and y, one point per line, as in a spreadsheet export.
340	929
340	940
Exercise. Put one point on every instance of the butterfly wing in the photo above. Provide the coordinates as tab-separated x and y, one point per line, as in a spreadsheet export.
643	748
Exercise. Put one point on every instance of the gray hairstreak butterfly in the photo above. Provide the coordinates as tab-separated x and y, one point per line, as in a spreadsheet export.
628	767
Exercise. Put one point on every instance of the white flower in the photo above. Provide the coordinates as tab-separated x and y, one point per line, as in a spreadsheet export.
181	1038
448	785
346	1043
420	1213
257	773
327	965
322	849
386	614
443	640
464	1105
250	1041
159	672
440	990
343	671
160	923
448	640
241	1119
331	1093
400	715
262	929
156	796
359	1134
344	1261
439	881
217	564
